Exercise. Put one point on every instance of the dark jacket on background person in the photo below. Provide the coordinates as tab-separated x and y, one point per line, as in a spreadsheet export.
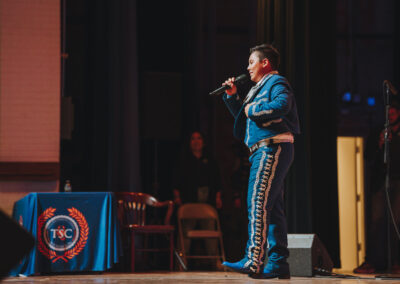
197	180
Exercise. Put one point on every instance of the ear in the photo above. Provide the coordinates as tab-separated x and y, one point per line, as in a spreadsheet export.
265	62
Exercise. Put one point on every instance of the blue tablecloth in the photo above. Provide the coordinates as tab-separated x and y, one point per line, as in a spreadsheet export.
74	232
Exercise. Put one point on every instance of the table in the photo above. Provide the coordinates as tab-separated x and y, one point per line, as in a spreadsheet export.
76	231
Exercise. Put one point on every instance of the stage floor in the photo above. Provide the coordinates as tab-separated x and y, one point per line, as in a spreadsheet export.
186	277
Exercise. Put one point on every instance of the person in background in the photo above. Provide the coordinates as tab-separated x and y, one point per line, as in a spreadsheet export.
376	249
196	177
197	180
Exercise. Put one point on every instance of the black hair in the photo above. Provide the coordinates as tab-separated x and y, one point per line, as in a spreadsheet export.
269	52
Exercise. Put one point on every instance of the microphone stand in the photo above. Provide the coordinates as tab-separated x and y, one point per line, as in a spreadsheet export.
386	162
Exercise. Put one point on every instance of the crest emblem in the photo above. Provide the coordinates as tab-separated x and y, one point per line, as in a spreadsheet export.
62	236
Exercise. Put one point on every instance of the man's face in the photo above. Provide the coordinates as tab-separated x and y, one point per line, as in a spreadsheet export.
196	142
257	68
393	115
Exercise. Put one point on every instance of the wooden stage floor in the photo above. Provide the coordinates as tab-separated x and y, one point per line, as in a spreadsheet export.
186	277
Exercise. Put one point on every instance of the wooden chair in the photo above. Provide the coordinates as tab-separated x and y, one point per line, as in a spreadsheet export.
132	215
199	211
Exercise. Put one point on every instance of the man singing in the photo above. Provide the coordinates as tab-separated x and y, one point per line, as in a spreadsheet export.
266	121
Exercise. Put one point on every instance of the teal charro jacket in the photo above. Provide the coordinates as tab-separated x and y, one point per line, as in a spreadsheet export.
272	111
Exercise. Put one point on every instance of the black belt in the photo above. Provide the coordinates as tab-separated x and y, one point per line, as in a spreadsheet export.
267	142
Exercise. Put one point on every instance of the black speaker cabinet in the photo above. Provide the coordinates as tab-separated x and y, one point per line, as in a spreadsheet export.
15	242
307	253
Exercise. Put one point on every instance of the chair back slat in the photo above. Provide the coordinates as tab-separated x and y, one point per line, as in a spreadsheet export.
132	207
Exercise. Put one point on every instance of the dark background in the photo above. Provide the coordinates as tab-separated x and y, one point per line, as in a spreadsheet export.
138	75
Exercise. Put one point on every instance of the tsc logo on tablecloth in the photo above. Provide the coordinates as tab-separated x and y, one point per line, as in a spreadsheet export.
62	236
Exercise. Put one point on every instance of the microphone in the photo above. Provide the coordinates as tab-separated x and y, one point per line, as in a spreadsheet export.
391	88
238	80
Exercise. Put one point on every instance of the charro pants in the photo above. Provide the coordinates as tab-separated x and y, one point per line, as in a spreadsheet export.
267	221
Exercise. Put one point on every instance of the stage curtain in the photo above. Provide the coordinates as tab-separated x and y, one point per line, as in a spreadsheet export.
304	32
109	111
123	153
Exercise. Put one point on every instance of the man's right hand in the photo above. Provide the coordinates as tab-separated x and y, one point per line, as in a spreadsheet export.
230	83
